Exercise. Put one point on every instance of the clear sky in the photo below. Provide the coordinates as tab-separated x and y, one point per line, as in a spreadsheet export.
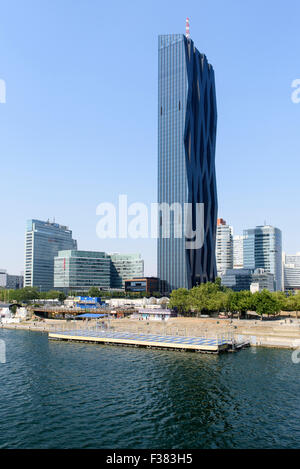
79	125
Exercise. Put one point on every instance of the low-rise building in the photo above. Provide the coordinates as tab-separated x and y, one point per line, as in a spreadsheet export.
242	279
154	314
142	284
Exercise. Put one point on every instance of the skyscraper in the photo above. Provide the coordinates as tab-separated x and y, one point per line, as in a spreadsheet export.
263	250
43	240
238	250
187	121
224	247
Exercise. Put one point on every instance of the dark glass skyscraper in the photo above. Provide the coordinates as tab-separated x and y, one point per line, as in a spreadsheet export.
187	121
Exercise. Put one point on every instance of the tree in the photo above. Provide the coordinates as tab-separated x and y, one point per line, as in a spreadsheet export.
208	297
292	303
94	292
61	297
239	302
266	303
180	300
282	300
24	294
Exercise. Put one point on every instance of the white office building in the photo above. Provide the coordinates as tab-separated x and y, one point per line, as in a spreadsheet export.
224	247
238	252
291	272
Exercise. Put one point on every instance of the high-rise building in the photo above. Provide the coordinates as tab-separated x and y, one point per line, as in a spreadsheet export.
43	240
3	278
291	269
187	121
125	267
263	250
238	251
81	270
224	247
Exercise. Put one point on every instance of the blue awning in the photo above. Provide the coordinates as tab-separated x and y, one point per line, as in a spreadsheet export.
91	315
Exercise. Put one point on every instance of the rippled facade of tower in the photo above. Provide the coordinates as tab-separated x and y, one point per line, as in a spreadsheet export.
187	122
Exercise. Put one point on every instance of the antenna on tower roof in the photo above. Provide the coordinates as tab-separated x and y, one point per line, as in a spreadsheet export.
187	28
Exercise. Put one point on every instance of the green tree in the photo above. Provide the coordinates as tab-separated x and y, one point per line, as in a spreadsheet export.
239	302
180	299
94	292
266	303
24	295
61	297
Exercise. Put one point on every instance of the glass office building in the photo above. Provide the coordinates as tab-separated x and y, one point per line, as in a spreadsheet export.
291	269
125	267
263	250
81	270
244	279
187	121
237	279
43	240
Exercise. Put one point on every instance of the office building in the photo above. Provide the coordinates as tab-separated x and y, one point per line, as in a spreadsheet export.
263	250
125	267
14	282
146	284
237	279
291	270
43	241
187	121
263	280
80	270
224	247
10	282
248	279
3	278
238	251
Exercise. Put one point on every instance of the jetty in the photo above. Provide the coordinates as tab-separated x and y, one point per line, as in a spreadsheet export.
214	344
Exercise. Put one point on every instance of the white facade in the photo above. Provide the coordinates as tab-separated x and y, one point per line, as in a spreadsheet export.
152	303
224	248
3	278
291	271
238	252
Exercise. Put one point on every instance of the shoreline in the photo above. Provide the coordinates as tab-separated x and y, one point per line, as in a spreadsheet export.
271	333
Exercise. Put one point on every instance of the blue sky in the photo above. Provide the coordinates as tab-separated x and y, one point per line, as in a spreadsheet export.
80	123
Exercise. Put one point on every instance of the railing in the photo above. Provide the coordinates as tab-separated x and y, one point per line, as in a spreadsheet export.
220	336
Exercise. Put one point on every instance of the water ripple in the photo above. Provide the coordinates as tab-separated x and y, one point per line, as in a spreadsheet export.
58	395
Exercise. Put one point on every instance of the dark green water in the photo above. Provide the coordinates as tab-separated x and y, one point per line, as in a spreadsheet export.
63	395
